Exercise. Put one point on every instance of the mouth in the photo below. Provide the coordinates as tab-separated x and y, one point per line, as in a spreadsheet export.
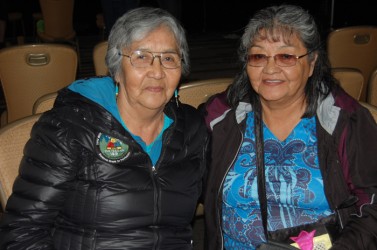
272	81
154	89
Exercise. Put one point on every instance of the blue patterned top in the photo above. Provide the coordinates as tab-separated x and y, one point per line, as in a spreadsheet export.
294	185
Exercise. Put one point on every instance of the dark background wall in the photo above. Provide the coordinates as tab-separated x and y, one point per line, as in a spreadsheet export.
233	15
220	15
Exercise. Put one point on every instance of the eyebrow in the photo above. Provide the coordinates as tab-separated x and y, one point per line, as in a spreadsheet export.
165	51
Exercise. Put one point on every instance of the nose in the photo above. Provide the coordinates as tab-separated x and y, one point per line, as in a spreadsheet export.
159	57
270	59
157	68
271	65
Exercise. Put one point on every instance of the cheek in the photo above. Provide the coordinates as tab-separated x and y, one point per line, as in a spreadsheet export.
132	82
132	75
303	73
254	76
294	74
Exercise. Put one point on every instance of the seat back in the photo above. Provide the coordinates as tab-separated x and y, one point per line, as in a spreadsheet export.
354	47
13	138
99	54
58	20
372	89
371	108
27	72
44	103
197	92
351	80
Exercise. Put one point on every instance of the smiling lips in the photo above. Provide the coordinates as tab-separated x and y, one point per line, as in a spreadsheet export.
272	82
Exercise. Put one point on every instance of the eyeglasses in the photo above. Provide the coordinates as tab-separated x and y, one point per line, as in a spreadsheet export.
282	60
143	59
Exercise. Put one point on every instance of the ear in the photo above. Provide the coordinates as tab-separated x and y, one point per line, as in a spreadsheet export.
118	77
312	64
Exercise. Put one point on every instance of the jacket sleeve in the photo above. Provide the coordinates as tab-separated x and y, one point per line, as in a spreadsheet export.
360	232
215	107
45	174
205	164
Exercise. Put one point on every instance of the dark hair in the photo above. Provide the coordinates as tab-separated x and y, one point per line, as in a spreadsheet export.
135	25
281	22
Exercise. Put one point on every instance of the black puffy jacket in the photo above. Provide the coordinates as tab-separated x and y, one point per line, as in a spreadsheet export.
73	194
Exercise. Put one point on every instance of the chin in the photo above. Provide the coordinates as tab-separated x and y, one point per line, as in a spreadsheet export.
270	97
155	105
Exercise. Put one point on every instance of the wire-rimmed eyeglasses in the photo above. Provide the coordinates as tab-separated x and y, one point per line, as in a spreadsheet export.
282	60
143	59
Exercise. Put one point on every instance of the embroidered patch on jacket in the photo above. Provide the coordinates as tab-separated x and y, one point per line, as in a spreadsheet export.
111	149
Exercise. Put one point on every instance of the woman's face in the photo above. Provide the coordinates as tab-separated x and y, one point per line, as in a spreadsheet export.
276	83
153	86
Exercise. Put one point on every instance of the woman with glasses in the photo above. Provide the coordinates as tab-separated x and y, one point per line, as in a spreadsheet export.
118	162
294	159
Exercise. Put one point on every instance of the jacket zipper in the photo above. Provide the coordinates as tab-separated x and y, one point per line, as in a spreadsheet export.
154	171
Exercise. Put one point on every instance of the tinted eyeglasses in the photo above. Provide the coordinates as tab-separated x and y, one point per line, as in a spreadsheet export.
143	59
282	60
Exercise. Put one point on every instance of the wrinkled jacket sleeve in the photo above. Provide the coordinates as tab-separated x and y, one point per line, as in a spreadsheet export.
361	150
45	174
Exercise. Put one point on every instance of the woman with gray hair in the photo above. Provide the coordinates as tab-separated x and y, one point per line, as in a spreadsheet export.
298	163
118	162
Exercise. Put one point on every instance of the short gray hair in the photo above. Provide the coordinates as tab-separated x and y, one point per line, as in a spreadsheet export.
134	26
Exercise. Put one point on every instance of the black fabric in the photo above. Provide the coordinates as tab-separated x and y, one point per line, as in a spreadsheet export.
271	245
68	197
327	225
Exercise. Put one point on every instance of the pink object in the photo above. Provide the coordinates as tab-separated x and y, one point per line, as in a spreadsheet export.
304	240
